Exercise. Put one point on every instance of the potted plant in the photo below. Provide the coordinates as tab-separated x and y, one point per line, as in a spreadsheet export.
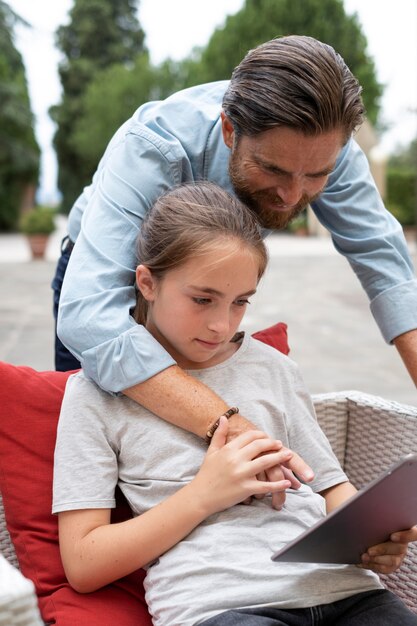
37	224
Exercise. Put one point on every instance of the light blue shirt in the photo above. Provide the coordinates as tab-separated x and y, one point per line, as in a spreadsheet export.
180	140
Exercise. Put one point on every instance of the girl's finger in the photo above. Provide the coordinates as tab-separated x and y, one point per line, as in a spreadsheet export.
268	487
263	447
220	434
268	461
248	437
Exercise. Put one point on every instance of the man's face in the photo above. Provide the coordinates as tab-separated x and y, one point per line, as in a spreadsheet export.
278	172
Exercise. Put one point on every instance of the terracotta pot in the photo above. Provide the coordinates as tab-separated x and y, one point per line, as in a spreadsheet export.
37	244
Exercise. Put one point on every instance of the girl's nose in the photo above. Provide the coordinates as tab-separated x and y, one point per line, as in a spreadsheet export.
219	323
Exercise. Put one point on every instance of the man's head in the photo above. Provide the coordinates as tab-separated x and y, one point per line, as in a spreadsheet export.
291	105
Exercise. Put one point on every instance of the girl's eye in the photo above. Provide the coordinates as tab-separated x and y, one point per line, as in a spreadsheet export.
242	302
202	300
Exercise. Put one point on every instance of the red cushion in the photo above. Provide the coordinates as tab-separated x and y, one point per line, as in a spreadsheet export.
29	407
275	336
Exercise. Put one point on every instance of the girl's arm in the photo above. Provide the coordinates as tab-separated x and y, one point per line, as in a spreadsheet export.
383	558
335	496
95	552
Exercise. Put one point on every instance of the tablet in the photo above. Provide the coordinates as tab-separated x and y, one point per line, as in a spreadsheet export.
385	505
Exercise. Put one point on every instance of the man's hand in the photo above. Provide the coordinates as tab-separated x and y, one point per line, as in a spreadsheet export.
387	557
295	466
237	424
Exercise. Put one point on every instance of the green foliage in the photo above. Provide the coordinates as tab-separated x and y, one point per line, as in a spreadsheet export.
107	103
38	221
401	195
100	33
261	20
19	151
112	97
299	224
405	157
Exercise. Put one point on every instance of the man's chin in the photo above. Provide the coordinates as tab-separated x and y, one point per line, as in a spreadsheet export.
277	219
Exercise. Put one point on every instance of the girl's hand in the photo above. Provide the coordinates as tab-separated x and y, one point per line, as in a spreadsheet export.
295	466
229	472
387	557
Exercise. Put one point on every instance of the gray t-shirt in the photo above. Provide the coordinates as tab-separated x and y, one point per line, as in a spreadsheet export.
225	562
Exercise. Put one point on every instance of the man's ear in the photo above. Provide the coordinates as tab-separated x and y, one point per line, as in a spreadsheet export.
145	282
227	130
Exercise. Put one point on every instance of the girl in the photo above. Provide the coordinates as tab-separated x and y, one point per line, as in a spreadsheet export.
207	555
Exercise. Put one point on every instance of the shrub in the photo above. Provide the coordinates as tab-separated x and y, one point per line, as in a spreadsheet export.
401	195
38	221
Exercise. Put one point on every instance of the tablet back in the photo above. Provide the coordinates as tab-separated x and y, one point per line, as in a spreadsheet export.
384	506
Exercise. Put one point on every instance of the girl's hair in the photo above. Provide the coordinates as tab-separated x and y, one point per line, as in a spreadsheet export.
188	221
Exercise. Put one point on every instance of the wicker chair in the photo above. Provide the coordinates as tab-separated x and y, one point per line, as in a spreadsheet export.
368	434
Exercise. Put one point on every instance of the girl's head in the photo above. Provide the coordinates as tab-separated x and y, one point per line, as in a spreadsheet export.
202	255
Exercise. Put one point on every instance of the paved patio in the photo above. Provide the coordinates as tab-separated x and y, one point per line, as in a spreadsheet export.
308	285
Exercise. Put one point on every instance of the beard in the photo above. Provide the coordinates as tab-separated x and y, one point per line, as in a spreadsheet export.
261	203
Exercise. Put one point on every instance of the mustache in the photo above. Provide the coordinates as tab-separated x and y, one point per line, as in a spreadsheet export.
275	199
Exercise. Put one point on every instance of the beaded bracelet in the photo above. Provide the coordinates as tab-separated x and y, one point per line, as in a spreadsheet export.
232	411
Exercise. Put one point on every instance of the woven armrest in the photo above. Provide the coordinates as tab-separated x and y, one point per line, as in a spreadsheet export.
6	546
375	433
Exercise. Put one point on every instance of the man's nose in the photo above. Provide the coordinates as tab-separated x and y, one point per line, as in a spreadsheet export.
290	193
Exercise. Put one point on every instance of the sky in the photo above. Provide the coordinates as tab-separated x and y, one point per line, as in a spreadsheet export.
390	29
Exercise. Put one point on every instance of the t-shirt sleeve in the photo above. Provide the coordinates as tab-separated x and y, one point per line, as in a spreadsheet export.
308	439
85	463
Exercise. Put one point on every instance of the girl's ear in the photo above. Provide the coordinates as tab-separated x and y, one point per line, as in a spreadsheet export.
146	282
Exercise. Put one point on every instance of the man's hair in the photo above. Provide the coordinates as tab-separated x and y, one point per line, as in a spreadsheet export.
187	222
297	82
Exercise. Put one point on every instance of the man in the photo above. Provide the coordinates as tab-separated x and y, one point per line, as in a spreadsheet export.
279	136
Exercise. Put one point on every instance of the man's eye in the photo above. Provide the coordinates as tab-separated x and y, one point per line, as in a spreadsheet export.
242	302
318	176
202	300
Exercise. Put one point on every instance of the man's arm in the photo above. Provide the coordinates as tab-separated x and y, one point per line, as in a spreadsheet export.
406	345
182	400
373	242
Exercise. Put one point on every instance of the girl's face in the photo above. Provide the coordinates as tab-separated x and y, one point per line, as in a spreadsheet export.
195	309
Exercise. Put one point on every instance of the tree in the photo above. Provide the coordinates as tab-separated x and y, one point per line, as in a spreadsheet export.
101	33
261	20
116	91
112	97
108	101
19	151
402	184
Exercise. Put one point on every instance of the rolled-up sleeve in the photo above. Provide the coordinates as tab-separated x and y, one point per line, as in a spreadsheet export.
372	240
